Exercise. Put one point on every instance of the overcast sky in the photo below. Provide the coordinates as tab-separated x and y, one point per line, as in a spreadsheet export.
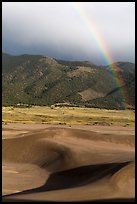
68	30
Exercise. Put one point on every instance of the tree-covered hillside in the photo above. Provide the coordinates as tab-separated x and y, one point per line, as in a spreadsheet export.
41	80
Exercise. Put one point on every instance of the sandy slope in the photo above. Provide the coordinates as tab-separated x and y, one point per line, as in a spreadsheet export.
67	164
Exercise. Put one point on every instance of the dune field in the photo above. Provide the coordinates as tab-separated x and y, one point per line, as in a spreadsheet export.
67	163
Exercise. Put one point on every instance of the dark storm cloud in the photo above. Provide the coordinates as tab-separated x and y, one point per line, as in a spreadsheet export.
59	29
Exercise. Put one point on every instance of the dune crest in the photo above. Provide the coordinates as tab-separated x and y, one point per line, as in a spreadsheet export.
69	164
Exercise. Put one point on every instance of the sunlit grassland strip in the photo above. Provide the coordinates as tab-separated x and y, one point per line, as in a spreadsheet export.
68	115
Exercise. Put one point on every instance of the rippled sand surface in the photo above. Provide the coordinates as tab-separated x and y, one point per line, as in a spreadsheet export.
62	163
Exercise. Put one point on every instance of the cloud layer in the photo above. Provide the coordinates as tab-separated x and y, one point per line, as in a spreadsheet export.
64	30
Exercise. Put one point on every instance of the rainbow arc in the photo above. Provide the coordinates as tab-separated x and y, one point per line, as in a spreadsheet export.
103	49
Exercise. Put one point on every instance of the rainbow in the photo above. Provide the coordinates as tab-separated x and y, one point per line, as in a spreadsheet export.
103	48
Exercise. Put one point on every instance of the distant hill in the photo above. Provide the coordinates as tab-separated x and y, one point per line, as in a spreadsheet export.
41	80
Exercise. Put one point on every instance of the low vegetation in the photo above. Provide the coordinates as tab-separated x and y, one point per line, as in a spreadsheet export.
67	115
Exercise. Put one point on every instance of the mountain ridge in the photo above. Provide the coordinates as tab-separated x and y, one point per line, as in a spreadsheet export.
42	80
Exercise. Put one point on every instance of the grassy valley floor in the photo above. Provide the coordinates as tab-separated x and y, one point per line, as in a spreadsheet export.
68	116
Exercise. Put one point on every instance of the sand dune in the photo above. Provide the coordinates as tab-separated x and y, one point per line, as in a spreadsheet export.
67	164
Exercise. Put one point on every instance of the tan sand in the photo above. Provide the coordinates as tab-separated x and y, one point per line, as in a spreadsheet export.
77	163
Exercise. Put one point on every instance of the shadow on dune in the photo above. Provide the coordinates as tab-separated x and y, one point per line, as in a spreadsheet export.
55	157
75	177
